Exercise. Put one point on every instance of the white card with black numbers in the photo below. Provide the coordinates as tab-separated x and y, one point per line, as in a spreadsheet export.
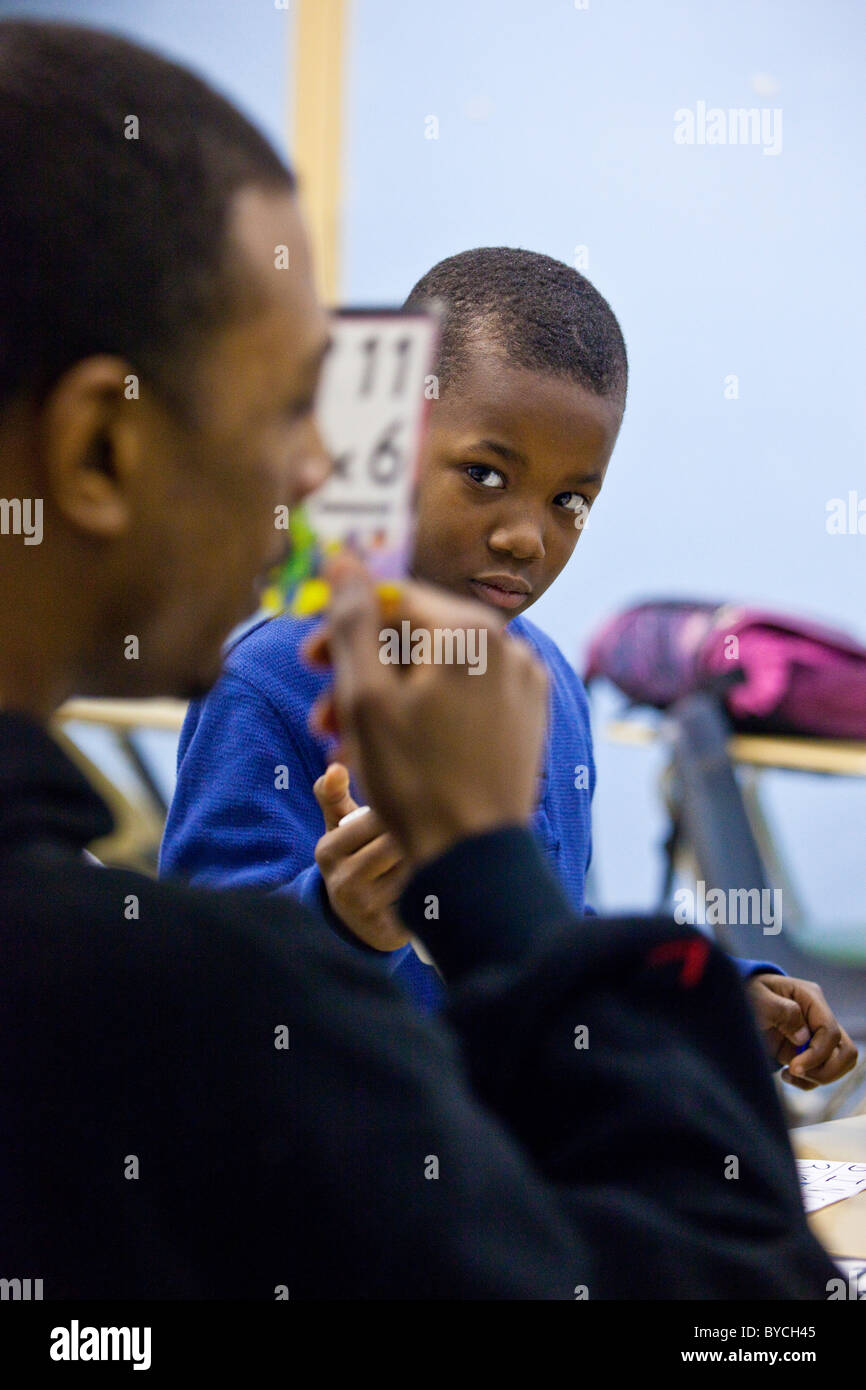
823	1181
376	387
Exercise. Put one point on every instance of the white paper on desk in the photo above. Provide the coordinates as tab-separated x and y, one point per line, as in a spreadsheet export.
823	1181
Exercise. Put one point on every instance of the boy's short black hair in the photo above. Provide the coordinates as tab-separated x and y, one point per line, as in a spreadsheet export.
110	244
540	312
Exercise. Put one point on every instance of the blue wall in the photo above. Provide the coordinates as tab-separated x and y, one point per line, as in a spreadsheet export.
556	130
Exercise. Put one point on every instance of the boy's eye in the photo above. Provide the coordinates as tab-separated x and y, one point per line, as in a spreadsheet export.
487	477
572	501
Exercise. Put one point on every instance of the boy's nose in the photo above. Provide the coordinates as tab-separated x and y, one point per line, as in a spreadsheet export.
522	538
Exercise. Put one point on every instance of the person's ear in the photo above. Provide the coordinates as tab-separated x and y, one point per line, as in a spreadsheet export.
91	446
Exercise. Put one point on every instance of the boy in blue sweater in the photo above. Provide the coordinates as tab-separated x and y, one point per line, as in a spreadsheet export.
532	377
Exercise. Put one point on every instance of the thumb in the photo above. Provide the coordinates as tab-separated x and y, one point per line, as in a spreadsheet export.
332	793
777	1011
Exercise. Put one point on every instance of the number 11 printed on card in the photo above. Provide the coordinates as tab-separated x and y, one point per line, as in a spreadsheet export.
371	409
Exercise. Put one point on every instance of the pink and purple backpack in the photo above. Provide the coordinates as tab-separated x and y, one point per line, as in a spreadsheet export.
775	674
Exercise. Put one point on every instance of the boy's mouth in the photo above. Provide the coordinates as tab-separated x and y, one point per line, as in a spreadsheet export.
502	590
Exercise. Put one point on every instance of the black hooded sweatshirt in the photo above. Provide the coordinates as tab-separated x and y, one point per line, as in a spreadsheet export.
208	1095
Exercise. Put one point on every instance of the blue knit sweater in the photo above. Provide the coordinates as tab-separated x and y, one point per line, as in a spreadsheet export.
244	812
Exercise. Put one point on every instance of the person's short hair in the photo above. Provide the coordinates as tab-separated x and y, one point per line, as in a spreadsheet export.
539	312
117	169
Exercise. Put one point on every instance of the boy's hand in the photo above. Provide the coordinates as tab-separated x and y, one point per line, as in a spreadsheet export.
443	752
363	869
789	1013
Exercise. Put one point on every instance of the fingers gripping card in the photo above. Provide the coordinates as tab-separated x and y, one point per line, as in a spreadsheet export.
371	409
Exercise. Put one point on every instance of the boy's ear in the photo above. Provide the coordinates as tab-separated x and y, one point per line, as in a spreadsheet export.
90	447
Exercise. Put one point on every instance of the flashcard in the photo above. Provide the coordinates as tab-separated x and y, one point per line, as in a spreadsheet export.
374	394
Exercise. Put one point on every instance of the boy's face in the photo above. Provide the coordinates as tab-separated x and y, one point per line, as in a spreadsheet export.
513	459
